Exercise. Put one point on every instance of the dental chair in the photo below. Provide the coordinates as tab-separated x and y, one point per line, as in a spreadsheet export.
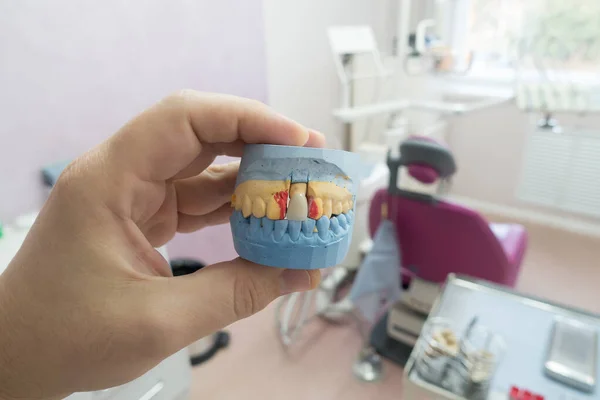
437	237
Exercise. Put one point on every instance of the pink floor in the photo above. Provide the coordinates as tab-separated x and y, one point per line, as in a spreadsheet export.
559	266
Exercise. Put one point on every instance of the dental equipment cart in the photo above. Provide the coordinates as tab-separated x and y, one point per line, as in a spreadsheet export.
525	325
170	380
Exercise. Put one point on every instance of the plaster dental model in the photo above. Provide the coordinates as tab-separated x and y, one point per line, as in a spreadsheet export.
294	206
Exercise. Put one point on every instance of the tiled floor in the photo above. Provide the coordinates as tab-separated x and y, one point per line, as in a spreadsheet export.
560	266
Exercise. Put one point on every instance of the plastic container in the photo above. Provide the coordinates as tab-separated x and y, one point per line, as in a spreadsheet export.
479	356
439	347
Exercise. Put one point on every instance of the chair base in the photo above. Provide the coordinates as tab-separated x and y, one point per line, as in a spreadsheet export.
387	347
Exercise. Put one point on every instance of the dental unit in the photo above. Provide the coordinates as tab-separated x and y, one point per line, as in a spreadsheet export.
435	237
294	206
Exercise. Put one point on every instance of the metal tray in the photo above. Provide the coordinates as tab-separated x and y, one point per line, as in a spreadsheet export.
525	324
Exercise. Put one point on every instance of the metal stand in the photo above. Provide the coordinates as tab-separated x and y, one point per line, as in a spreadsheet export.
293	314
389	348
368	367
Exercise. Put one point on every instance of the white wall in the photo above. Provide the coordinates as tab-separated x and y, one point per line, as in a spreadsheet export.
300	72
72	72
489	149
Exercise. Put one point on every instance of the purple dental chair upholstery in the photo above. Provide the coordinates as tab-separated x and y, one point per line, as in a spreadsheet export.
437	237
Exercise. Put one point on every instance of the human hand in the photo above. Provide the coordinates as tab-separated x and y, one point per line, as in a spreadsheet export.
88	303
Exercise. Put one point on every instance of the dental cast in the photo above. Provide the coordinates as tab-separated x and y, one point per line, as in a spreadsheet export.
293	201
294	206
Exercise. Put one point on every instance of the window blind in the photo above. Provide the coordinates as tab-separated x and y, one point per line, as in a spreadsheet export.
562	170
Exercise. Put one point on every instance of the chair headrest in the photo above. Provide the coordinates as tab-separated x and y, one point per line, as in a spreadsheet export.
427	157
426	161
423	173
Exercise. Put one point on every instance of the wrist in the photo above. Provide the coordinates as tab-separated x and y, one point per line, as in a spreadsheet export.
12	376
22	376
6	344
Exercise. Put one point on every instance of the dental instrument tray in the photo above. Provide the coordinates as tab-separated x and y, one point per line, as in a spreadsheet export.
525	323
294	206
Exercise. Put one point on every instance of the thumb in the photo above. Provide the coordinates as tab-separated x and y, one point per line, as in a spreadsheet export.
200	304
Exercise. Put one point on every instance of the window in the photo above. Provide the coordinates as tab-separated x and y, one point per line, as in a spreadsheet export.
559	171
532	36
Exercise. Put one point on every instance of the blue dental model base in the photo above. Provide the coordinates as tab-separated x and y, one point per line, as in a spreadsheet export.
308	244
286	244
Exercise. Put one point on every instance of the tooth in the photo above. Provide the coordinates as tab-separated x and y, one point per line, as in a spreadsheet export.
337	207
298	208
254	225
315	208
277	206
279	229
237	201
267	226
345	206
259	208
342	220
327	208
308	227
294	229
272	209
335	225
323	227
246	207
350	216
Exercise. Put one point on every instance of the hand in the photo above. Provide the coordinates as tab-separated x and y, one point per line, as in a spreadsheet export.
88	303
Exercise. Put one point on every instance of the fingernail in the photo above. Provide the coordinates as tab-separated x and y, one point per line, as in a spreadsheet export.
295	280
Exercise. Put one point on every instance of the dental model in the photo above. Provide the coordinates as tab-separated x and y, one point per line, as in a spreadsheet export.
294	206
444	343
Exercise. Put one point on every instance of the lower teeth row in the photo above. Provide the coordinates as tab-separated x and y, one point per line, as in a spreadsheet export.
337	224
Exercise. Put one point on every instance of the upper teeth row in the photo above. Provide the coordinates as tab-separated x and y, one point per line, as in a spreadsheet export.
297	208
278	200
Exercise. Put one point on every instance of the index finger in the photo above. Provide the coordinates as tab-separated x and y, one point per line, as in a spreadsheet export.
169	136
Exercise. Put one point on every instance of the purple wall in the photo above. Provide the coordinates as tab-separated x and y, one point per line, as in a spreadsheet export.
72	72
